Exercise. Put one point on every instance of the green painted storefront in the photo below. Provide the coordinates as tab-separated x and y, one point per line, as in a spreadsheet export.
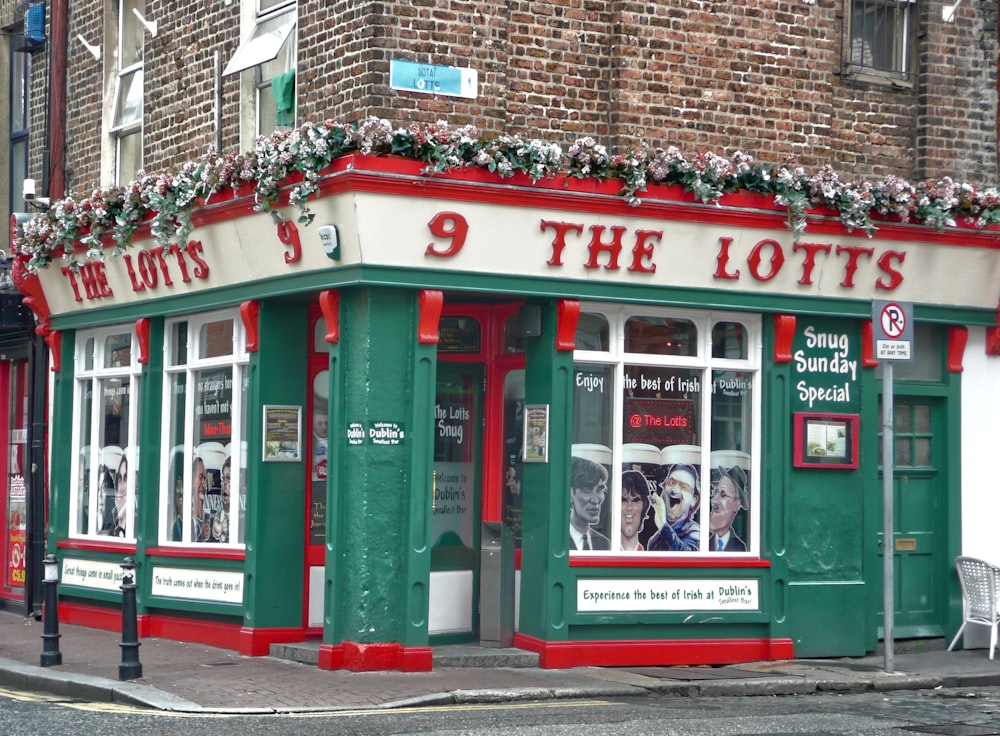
352	558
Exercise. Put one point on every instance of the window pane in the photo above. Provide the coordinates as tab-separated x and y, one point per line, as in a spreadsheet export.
661	336
113	440
904	419
922	451
129	155
661	410
729	340
513	341
118	351
903	455
130	39
180	530
213	431
592	332
83	510
240	448
88	354
513	427
128	102
459	335
879	34
732	422
20	64
593	412
178	343
263	43
922	418
216	339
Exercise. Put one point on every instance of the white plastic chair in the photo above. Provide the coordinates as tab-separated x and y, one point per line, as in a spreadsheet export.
980	586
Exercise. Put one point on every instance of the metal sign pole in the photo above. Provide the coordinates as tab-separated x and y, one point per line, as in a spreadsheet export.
888	457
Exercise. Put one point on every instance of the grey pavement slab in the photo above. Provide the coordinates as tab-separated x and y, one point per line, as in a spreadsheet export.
180	676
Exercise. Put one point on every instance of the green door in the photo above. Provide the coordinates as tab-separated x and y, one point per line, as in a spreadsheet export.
920	513
455	526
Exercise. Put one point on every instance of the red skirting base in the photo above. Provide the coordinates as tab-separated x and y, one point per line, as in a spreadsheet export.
247	641
357	657
653	652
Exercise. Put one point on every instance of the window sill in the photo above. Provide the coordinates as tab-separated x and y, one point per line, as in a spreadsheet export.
896	80
202	552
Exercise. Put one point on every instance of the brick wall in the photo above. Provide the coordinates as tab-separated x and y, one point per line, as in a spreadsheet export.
761	76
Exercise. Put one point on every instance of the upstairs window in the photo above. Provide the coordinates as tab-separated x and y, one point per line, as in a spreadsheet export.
125	120
880	36
266	60
20	100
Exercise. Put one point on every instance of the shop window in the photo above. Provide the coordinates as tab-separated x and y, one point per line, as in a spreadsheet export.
664	432
203	482
880	34
125	124
265	59
106	422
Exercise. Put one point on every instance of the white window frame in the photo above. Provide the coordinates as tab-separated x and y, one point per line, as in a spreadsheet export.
91	453
123	126
238	361
617	358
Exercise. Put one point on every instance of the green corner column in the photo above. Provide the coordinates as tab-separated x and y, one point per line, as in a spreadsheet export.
275	533
379	485
547	592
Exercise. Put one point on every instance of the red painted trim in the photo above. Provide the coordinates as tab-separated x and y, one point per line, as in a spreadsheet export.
331	657
329	303
784	334
98	617
54	340
431	303
356	657
654	652
257	642
250	314
142	337
958	337
196	553
868	359
633	561
96	546
247	641
568	317
993	341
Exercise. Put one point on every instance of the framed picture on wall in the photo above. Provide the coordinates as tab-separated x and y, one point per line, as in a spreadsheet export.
827	441
535	446
282	433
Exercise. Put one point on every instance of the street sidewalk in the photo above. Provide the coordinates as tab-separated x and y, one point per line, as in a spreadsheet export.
184	677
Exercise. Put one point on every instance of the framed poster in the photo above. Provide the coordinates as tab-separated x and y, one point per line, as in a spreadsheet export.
535	444
826	441
282	433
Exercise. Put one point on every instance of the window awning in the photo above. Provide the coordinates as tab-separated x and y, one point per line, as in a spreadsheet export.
263	43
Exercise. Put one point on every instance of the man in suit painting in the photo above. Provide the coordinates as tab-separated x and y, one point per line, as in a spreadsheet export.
729	497
588	489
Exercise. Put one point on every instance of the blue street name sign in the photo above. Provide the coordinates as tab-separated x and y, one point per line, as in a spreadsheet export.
431	79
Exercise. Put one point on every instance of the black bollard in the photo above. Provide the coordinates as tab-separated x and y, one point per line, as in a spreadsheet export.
50	637
131	667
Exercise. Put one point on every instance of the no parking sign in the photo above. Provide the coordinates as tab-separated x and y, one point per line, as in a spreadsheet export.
892	331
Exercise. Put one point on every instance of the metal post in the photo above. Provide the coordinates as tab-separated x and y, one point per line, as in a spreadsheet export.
888	547
51	655
131	667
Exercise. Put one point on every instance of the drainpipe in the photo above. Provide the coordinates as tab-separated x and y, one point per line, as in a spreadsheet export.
54	161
